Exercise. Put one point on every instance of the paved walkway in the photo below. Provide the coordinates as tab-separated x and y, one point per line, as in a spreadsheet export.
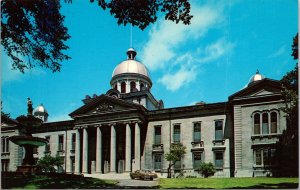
125	182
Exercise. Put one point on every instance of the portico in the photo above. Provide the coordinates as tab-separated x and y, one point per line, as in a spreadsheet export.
108	140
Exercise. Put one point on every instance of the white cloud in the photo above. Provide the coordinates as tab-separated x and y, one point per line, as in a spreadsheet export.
186	74
176	80
8	74
279	52
216	50
166	37
165	50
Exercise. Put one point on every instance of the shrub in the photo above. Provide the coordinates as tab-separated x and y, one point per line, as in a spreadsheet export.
48	163
207	169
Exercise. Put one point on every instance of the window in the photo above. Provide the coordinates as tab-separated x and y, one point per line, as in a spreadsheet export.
132	86
157	135
265	123
116	87
219	130
258	157
72	159
197	132
219	160
197	160
73	141
273	122
47	147
5	144
141	86
157	161
176	134
123	87
256	124
60	142
264	156
177	165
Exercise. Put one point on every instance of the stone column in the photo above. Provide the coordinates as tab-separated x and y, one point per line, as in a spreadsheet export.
77	152
138	85
119	86
99	150
127	86
137	152
113	149
85	151
128	149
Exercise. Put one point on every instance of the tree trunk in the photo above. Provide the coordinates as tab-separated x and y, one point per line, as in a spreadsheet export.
169	171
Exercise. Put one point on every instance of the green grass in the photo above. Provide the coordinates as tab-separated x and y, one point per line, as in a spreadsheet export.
44	182
228	183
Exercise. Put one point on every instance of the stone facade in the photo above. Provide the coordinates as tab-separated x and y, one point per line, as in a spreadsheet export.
126	131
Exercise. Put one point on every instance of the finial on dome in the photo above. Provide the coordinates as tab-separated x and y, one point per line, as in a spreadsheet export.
257	71
131	53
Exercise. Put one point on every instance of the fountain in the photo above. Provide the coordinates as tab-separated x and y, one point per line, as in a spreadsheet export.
26	140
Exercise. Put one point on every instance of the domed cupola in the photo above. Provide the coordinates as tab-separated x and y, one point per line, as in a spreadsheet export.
256	77
41	113
130	75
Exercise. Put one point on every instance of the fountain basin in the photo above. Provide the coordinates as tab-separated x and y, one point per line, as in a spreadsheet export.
28	140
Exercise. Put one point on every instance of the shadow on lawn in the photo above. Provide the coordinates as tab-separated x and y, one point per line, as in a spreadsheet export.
271	186
53	181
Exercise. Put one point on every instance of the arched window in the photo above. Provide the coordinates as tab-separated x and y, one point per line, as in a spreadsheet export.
256	124
273	122
116	87
265	123
132	86
141	86
123	87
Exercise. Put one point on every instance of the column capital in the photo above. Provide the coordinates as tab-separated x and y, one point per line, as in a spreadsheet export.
98	125
112	124
85	127
136	122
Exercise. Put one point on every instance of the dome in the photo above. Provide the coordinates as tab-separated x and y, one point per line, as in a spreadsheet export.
131	65
40	109
256	77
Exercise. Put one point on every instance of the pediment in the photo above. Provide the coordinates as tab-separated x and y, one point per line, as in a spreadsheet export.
265	87
262	93
105	104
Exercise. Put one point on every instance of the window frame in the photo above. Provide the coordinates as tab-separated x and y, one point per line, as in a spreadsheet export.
154	140
269	122
222	130
194	133
215	159
61	144
175	125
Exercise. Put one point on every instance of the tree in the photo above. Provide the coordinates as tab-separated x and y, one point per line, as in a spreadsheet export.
177	150
33	33
48	163
288	146
3	113
207	169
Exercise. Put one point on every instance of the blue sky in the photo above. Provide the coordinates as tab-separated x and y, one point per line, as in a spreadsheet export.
208	60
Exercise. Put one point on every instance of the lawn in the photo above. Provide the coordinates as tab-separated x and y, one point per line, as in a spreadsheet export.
228	183
46	182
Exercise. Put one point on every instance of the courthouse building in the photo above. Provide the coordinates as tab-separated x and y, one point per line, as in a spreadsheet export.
128	129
